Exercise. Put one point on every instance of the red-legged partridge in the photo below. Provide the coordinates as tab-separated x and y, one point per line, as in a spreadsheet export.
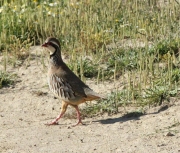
64	83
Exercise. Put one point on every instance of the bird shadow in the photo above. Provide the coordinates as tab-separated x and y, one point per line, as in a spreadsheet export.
129	116
124	118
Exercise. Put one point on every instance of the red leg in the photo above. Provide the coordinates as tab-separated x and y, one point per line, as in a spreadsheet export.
78	115
55	121
63	110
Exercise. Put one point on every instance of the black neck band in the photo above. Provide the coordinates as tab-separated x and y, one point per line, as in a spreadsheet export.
56	49
53	53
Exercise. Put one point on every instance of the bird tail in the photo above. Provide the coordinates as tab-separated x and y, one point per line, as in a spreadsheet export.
91	95
94	96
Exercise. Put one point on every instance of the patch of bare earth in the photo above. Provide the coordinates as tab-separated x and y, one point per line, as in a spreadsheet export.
26	107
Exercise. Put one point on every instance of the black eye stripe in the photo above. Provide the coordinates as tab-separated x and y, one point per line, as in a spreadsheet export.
53	45
50	43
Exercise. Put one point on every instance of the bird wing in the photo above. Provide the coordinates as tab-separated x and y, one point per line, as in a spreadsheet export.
80	88
63	89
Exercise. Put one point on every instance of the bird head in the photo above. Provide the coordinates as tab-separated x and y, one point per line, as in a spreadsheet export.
52	44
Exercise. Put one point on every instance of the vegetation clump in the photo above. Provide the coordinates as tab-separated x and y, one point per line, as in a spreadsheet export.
135	43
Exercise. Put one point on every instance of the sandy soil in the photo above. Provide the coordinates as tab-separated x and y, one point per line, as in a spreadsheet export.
28	105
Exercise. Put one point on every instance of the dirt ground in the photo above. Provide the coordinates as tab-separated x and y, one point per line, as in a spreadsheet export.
28	105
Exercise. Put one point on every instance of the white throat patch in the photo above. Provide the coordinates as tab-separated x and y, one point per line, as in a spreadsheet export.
51	49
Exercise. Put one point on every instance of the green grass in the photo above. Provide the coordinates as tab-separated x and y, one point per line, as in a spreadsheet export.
6	79
101	39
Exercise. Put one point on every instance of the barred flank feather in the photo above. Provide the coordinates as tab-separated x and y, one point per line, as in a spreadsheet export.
60	88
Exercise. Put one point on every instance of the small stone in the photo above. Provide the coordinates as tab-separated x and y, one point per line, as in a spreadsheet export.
20	119
160	145
170	134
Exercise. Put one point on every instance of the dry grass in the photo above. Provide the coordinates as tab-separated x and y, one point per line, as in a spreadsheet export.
101	32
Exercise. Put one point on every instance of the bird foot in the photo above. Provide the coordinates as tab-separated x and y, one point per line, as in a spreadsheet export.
52	123
80	122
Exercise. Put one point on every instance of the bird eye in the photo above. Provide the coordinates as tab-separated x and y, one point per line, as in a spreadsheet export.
49	43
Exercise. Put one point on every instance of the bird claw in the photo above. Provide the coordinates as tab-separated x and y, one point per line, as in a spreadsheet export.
56	123
80	122
52	123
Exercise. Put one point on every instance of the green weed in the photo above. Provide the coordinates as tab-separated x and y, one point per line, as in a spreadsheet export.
143	35
6	79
